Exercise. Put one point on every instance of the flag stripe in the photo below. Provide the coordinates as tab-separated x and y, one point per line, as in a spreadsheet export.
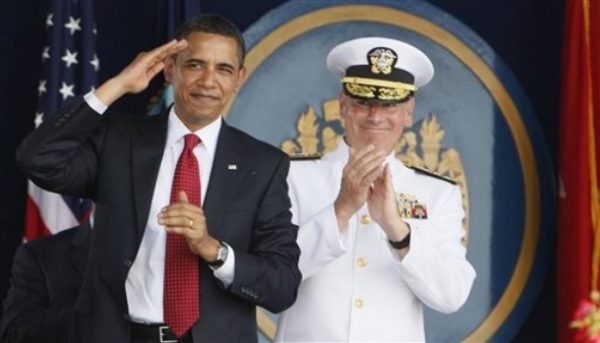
55	213
34	224
70	67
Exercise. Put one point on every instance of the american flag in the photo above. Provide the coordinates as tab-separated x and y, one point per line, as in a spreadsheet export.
70	66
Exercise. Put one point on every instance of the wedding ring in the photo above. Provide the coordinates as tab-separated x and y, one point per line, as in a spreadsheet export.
191	223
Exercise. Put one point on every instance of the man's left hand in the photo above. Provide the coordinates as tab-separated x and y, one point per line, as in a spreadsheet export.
186	219
383	208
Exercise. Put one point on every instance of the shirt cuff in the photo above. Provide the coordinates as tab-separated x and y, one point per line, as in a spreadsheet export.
407	257
343	237
92	100
226	272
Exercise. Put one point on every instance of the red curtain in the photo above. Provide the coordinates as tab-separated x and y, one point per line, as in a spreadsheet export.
578	203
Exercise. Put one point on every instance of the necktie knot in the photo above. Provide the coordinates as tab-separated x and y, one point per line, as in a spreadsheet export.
190	141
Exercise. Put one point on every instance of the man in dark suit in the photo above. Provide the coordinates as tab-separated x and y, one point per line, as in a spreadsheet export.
233	214
46	277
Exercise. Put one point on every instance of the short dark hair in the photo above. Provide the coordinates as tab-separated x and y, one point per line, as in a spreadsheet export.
212	23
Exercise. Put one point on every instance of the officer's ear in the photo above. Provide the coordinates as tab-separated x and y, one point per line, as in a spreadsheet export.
343	100
409	107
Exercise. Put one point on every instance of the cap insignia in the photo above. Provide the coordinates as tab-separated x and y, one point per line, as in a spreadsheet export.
382	60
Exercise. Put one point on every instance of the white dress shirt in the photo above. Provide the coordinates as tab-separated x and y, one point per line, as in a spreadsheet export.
144	284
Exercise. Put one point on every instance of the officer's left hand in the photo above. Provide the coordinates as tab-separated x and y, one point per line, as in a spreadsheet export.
187	219
383	208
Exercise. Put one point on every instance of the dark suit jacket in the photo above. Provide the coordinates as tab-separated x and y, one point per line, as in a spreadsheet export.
46	277
114	160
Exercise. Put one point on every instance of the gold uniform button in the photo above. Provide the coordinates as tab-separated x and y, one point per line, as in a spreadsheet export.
361	262
366	219
359	303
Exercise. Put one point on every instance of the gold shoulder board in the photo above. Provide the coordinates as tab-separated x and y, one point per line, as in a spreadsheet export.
431	173
305	157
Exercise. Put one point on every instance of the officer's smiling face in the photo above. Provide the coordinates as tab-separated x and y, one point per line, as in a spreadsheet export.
379	124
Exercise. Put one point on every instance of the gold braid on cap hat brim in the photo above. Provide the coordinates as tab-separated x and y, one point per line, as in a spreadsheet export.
360	90
392	94
386	90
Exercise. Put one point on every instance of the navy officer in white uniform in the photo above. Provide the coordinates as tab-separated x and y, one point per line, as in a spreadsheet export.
379	239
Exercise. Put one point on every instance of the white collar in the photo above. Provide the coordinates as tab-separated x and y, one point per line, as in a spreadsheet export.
177	129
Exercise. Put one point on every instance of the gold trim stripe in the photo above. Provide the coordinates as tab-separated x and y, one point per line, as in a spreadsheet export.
379	83
394	17
265	324
594	197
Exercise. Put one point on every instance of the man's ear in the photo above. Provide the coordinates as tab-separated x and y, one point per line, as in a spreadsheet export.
241	78
169	68
409	120
343	99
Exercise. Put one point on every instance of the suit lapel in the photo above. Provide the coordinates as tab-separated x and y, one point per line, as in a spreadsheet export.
227	171
147	147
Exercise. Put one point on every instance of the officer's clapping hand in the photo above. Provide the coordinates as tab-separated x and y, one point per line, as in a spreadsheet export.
364	166
383	209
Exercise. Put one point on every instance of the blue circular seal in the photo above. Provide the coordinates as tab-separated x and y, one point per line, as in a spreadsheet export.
472	123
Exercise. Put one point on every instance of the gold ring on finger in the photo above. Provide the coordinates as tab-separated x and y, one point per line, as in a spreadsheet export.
191	223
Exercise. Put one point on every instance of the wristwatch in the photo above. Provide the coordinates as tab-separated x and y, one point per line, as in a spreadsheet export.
221	256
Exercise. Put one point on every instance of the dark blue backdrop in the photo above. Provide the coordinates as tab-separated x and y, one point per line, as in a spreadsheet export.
526	34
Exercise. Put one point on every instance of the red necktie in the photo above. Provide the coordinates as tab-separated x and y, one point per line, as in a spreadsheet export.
182	280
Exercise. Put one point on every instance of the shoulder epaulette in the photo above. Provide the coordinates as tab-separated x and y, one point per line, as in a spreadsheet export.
431	173
306	157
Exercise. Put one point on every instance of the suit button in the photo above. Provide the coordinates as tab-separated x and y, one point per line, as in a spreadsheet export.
361	262
359	303
128	263
366	219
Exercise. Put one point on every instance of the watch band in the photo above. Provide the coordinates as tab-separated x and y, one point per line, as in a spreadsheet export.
404	243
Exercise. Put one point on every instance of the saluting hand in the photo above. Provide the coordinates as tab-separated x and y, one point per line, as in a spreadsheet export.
137	75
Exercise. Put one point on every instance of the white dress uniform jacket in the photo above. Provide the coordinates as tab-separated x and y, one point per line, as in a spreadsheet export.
355	287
